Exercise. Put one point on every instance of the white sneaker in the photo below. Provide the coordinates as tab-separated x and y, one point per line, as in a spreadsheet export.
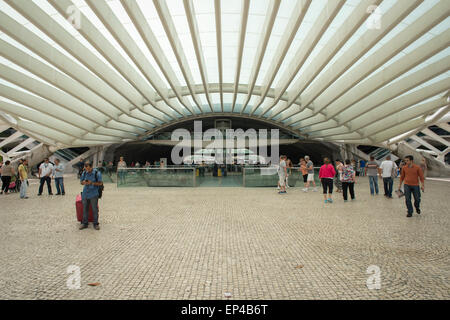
305	189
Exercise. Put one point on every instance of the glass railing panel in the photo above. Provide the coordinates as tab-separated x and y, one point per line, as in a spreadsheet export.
268	177
156	177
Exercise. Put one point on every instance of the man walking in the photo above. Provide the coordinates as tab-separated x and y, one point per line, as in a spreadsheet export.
310	178
59	180
23	176
411	174
371	170
45	172
388	173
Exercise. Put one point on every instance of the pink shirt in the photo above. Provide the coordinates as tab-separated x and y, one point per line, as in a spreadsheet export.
327	171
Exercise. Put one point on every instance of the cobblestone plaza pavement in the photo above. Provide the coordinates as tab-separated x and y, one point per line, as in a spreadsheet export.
200	243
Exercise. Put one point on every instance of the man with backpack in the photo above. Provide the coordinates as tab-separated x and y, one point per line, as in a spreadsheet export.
93	187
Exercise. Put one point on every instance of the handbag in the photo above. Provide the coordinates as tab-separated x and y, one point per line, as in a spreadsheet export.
399	193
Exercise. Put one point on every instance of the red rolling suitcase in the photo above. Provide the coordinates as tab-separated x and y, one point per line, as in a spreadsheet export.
79	207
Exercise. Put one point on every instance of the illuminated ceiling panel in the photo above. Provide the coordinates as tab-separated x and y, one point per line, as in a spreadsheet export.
110	71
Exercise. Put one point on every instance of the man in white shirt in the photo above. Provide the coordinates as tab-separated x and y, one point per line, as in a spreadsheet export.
388	169
45	173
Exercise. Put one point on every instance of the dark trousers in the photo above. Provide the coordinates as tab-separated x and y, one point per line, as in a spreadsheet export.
388	184
94	203
415	190
49	184
6	181
59	182
327	184
348	186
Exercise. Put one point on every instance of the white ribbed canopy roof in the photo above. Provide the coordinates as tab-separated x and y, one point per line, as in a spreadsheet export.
331	70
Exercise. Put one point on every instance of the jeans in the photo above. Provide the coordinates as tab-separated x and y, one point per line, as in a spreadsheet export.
94	203
122	174
373	181
388	185
415	190
350	186
23	189
59	182
49	184
6	181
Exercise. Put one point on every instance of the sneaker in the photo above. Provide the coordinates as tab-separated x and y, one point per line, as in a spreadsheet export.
305	190
409	215
83	226
330	200
326	201
63	193
96	227
39	194
418	211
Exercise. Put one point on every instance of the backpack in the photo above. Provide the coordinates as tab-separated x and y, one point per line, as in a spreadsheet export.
100	188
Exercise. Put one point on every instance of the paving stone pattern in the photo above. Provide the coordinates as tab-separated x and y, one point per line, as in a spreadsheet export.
200	243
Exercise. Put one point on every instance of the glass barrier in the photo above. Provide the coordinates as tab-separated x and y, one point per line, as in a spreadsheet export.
156	177
268	177
108	174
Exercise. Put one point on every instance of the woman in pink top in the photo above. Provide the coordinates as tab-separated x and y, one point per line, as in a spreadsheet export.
326	175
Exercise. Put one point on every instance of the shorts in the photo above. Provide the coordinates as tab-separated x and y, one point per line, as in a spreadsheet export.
310	177
305	176
282	180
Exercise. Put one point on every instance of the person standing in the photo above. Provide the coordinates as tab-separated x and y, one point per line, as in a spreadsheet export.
423	166
289	167
348	180
121	170
80	166
23	176
310	178
282	174
388	173
362	168
303	170
58	172
371	170
7	174
411	175
338	181
355	166
326	175
45	172
91	180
